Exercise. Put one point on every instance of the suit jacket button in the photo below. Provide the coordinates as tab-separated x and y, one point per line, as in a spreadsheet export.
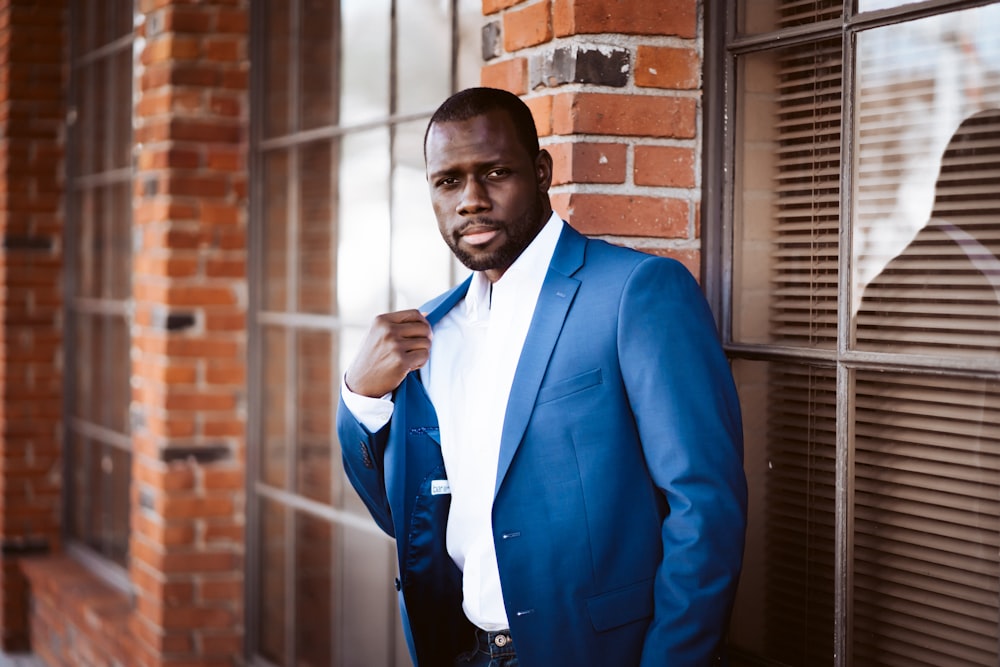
397	583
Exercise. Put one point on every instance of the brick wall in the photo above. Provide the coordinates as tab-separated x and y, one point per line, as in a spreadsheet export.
31	140
615	89
188	362
189	338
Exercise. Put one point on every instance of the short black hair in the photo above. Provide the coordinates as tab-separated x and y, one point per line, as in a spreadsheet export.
473	102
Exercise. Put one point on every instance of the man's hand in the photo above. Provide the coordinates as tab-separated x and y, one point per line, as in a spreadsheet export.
396	344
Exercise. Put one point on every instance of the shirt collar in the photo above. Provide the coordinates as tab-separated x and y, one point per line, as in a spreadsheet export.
525	275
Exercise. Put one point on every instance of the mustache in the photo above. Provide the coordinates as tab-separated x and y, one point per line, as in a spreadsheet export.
488	223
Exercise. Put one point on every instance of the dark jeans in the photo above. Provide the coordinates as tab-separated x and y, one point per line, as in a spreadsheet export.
492	649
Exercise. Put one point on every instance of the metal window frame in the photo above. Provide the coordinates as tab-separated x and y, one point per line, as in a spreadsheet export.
291	321
723	46
72	427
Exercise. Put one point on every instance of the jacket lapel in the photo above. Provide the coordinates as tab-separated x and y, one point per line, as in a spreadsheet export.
554	301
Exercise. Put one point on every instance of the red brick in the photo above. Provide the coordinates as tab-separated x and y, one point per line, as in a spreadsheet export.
509	75
494	6
631	17
529	26
667	166
223	479
624	115
625	215
666	67
584	162
541	110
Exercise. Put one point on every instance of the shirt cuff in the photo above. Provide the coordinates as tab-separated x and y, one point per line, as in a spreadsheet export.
373	413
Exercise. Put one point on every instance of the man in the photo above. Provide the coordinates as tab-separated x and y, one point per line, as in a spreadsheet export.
555	444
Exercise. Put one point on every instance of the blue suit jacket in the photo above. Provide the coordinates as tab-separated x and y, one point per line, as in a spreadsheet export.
620	502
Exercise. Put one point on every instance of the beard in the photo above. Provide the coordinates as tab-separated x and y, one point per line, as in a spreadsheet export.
518	234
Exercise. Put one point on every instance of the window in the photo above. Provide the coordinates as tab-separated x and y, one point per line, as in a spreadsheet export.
863	320
98	285
342	230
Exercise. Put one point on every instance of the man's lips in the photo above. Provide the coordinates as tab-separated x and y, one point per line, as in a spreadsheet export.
478	235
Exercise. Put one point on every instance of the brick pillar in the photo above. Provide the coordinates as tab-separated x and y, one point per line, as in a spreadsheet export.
31	181
189	335
615	89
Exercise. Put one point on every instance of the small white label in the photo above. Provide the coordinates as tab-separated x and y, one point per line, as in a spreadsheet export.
439	487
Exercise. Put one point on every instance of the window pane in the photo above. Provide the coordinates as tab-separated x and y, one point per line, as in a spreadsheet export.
121	116
784	607
274	284
363	251
119	243
274	420
754	16
364	582
272	548
927	212
317	244
421	260
364	60
787	196
317	47
316	405
314	591
276	61
424	28
926	520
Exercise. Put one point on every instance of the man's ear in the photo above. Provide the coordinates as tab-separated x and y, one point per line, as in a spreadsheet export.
543	170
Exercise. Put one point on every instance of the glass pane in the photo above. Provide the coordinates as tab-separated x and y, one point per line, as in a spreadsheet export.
118	472
363	251
927	214
274	283
85	106
272	546
276	62
275	383
470	42
121	139
790	451
424	28
316	405
88	211
85	364
421	260
926	520
314	591
114	387
755	16
364	60
317	238
364	591
787	196
317	46
119	260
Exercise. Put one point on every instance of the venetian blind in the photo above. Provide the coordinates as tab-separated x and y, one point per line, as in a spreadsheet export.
799	617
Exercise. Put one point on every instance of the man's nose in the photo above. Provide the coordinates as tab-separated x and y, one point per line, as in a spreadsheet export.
474	198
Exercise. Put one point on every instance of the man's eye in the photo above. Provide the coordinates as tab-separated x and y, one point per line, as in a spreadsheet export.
499	172
447	182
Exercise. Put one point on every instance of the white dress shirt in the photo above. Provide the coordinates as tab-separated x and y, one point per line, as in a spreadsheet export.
473	357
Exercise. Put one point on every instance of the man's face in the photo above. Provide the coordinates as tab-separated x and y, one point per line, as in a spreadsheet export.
488	193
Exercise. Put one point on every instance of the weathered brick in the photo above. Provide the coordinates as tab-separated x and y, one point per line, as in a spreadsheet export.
626	215
667	67
494	6
667	166
509	75
585	162
624	115
630	17
529	26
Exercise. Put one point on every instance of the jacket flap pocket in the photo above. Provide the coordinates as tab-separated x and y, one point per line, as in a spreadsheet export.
610	610
569	386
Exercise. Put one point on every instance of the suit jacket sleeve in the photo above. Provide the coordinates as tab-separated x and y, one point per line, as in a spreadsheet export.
363	453
684	400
